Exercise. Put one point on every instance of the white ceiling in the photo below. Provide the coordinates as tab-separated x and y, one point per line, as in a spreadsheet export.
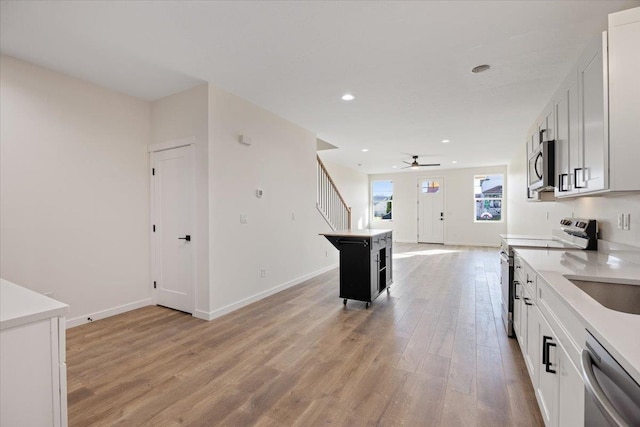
407	63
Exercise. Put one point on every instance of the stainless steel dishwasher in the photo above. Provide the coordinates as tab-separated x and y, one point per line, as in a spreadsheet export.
612	397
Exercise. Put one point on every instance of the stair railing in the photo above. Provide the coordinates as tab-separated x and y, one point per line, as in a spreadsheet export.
330	202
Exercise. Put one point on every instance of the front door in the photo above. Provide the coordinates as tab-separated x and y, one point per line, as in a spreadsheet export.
172	186
431	210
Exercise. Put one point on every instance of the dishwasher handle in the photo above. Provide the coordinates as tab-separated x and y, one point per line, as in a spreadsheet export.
594	389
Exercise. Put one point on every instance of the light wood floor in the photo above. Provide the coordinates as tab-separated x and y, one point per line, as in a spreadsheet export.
433	352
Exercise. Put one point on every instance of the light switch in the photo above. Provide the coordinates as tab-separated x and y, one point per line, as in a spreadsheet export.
620	221
626	222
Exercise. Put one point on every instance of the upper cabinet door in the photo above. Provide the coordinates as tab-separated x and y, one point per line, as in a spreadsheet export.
593	120
624	99
567	146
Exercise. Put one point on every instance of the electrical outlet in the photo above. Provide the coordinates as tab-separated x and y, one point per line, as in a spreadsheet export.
243	219
263	273
620	221
626	222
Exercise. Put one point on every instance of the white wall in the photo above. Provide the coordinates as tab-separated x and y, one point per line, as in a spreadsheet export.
354	188
460	228
74	190
179	117
282	162
542	217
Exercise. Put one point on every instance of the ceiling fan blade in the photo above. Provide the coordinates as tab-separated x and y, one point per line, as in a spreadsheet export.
406	162
429	164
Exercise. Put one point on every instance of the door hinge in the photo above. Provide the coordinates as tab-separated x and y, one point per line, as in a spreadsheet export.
154	228
153	171
154	284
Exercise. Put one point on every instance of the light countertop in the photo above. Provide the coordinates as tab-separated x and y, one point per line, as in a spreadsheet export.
19	306
367	232
616	331
525	236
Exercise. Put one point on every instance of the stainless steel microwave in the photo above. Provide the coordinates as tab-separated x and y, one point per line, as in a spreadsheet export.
541	166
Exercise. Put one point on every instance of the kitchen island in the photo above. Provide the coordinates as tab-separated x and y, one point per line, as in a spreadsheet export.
365	263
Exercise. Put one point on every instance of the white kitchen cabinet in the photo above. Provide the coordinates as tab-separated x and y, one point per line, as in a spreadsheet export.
33	376
570	392
624	99
517	309
550	338
547	124
547	387
592	172
567	142
560	389
530	325
595	114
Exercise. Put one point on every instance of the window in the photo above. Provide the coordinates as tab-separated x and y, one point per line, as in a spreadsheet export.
487	191
429	186
382	199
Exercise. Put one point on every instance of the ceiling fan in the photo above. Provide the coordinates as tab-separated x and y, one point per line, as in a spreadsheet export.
416	165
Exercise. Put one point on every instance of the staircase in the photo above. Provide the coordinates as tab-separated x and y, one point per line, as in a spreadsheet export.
330	203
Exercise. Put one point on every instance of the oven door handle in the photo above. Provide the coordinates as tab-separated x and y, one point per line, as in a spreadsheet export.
594	389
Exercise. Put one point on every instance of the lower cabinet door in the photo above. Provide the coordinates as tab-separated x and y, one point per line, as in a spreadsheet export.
517	310
548	379
570	393
531	356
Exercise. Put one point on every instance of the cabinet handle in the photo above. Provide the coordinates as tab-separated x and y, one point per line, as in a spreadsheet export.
526	301
575	178
515	293
561	186
545	353
546	344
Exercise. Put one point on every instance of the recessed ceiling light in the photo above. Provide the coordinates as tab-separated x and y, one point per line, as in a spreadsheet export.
394	166
348	97
445	141
454	161
364	150
480	68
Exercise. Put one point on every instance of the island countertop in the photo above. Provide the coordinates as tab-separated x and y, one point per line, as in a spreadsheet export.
19	306
367	232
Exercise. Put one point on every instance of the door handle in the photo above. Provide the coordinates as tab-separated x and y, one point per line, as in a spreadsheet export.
187	238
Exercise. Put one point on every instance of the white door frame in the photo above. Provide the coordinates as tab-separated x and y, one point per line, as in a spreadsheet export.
444	205
152	149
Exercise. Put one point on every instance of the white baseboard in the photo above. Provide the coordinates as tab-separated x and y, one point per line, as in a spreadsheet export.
246	301
108	312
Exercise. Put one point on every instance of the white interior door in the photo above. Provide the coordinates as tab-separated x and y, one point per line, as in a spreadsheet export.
431	210
173	223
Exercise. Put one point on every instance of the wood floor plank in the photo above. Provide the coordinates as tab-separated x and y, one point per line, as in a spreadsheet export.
431	352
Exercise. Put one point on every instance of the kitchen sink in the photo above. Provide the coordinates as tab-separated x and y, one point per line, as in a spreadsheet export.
616	294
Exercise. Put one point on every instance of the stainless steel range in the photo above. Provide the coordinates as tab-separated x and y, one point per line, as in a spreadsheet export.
574	234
